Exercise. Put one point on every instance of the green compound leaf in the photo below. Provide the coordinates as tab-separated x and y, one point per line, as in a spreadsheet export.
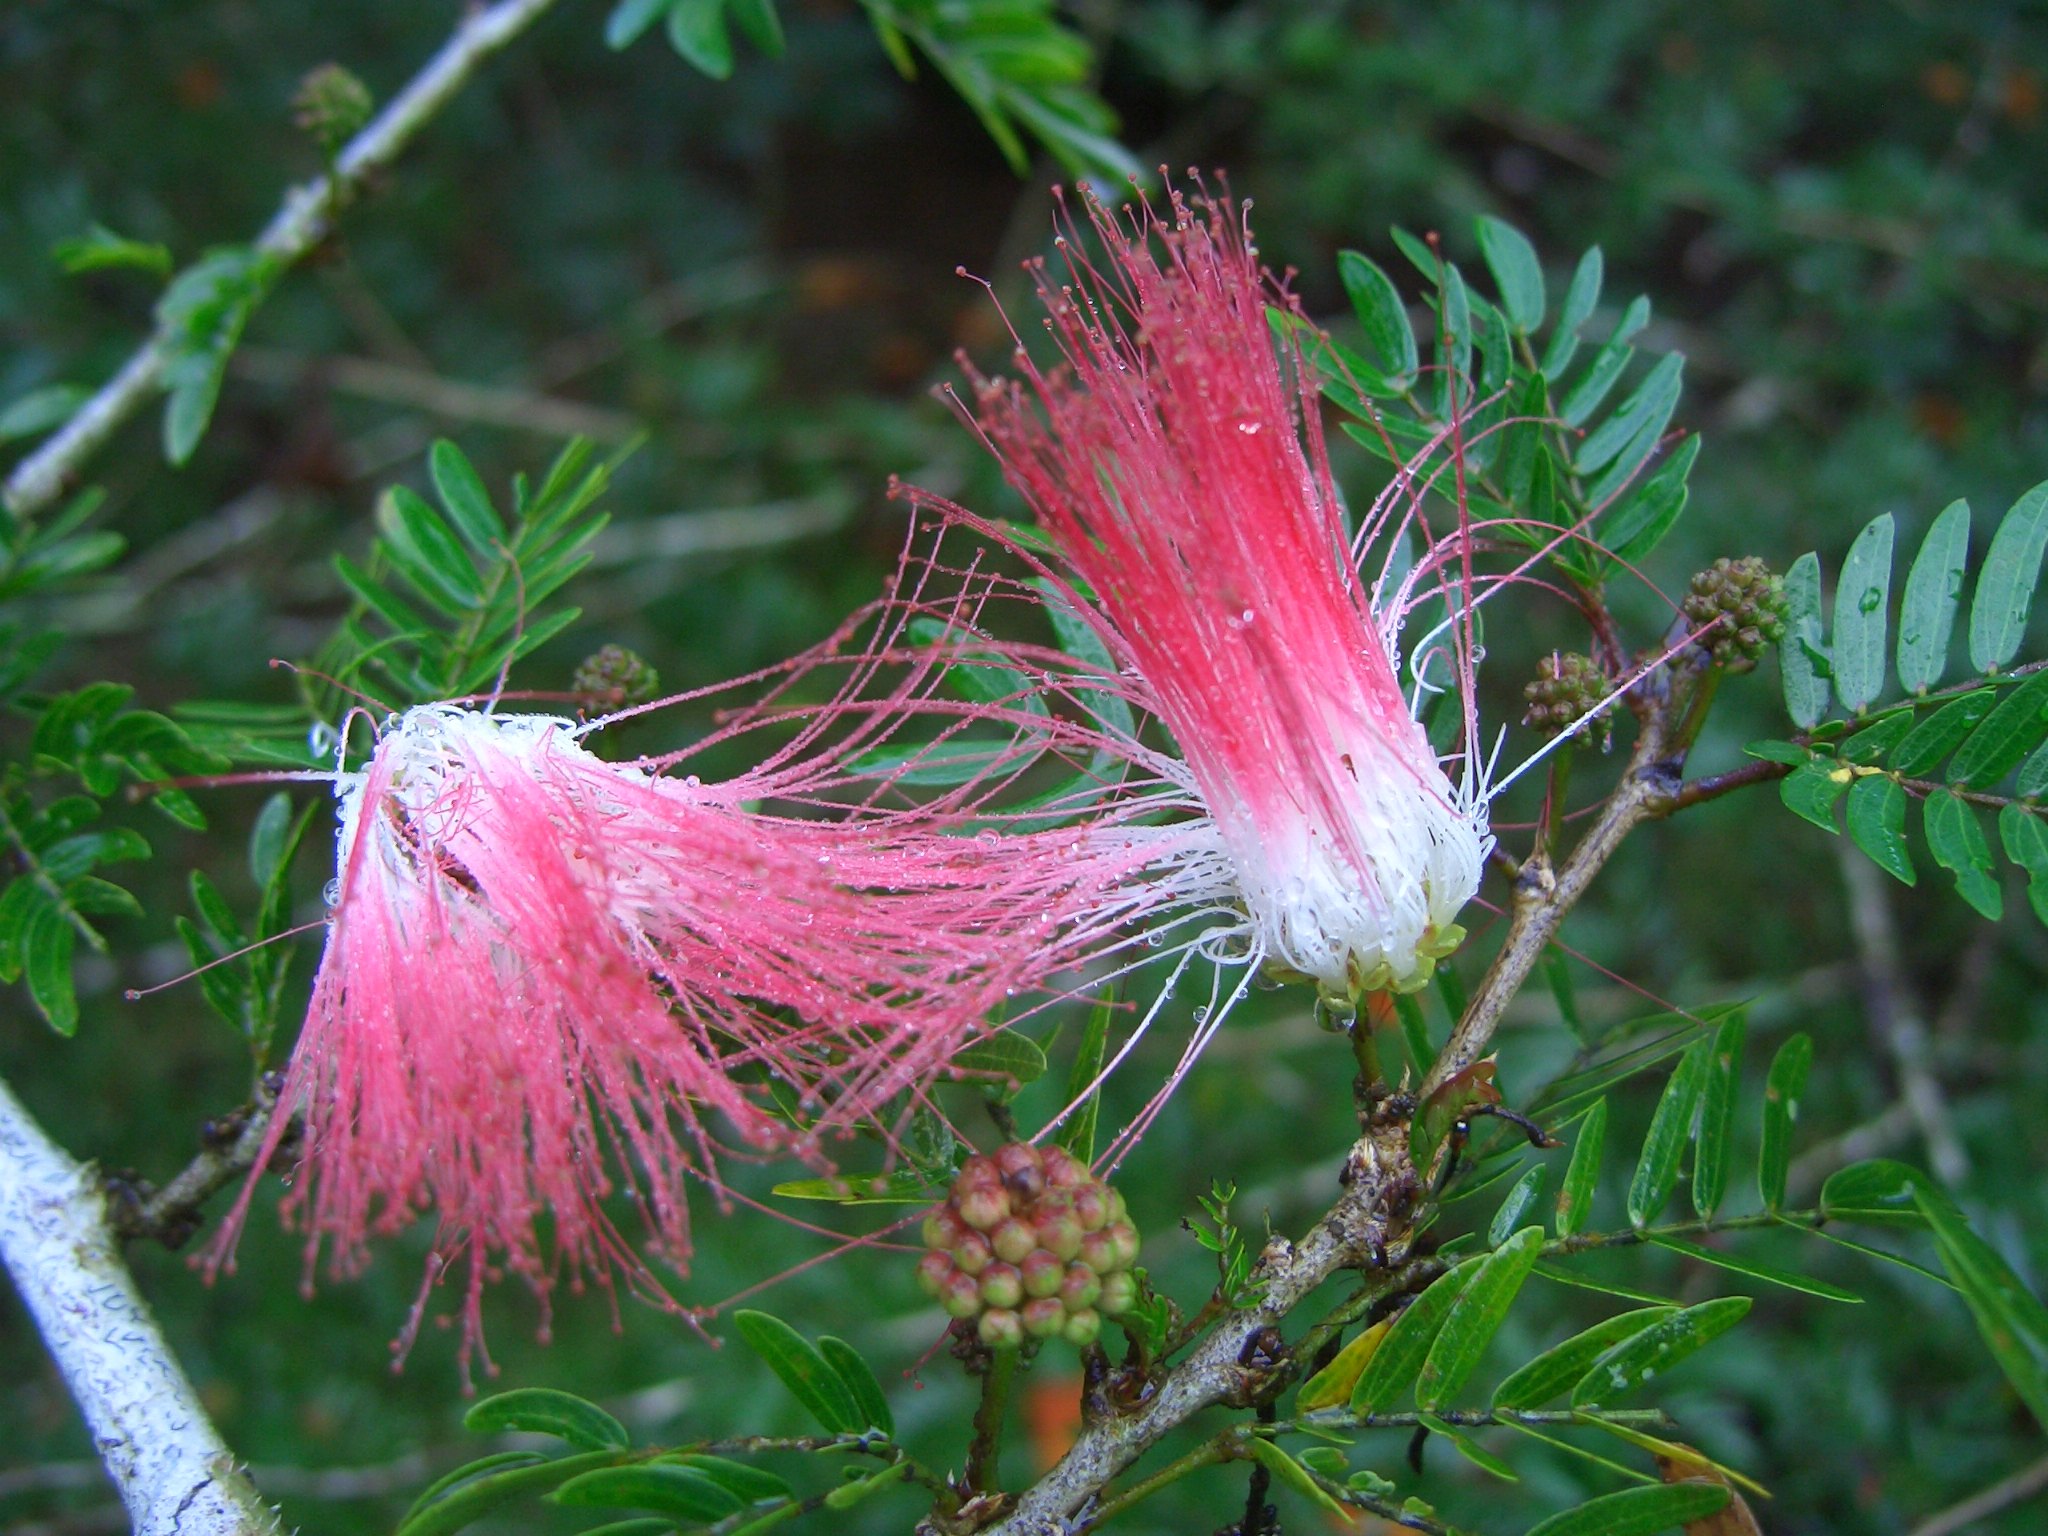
1812	790
1652	1353
1877	825
1528	1189
1934	589
2025	838
1380	311
463	497
1956	840
2011	1318
2006	582
1475	1317
1802	658
1563	1366
1756	1269
466	1495
1638	1511
1783	1089
1582	1174
544	1411
682	1493
1398	1361
1862	615
1876	1192
2015	727
1656	1172
1715	1153
1941	733
1581	298
860	1380
805	1372
1517	274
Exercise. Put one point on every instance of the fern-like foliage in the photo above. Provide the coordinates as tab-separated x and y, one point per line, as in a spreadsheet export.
1885	726
1516	394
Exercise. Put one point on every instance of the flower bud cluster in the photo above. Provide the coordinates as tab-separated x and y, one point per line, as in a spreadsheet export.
1567	688
1030	1244
332	105
1749	601
614	677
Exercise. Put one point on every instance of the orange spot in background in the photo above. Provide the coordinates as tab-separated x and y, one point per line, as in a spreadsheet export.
2020	95
198	85
1940	418
1945	82
1052	1416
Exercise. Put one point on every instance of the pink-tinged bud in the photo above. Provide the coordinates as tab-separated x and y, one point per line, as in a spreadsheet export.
1091	1207
1117	1210
976	1170
1060	1233
1082	1327
942	1229
973	1254
1043	1272
1080	1287
1013	1240
1062	1169
1001	1329
934	1270
1001	1286
961	1295
1125	1236
1044	1318
981	1206
1098	1252
1013	1157
1119	1294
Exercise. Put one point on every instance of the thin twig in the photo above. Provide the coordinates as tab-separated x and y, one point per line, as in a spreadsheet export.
2021	1486
172	1469
300	224
232	1144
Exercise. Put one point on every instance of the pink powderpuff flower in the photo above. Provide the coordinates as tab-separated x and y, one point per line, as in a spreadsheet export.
549	977
1177	461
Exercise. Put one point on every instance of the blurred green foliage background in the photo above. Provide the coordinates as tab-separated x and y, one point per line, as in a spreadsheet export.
1837	208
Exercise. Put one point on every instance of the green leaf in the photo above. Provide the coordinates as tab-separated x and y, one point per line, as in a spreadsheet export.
1876	1192
47	943
696	30
1934	590
1756	1269
1812	790
1581	297
2014	728
544	1411
1784	1087
1869	744
1654	1351
1381	313
2006	581
1650	407
468	1494
859	1377
2011	1318
629	19
682	1493
1806	685
903	1187
421	546
1292	1473
849	1494
1475	1317
762	26
2025	838
1957	843
99	249
1638	1511
1716	1149
1862	615
1469	1448
1584	397
1528	1189
1877	825
1632	528
1077	1135
2033	781
749	1484
1006	1060
1398	1361
1517	275
1656	1172
40	410
810	1380
1563	1366
269	838
465	500
1575	1197
1941	733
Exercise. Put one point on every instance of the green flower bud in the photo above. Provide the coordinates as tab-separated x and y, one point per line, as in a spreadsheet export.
1082	1327
1001	1329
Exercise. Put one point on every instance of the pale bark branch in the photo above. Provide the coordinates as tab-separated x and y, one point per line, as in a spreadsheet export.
299	224
169	1464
